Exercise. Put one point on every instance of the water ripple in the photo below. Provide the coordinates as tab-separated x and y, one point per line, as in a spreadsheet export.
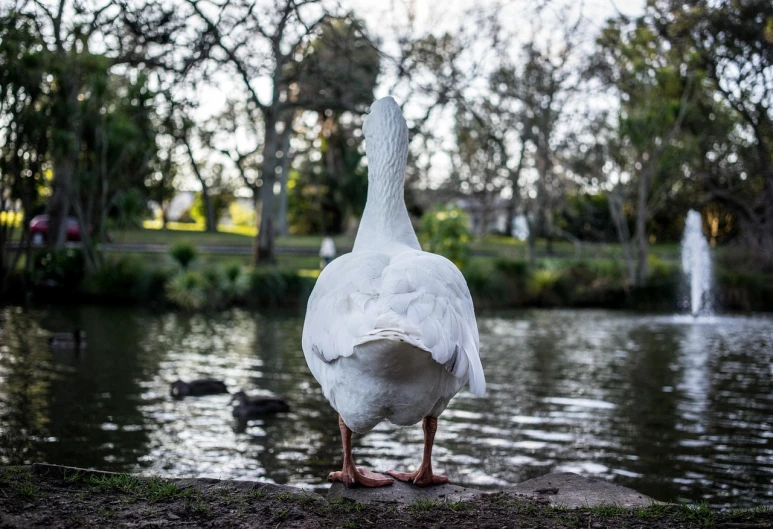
678	408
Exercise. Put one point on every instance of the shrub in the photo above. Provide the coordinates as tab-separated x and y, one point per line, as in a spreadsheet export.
267	287
62	269
596	283
234	283
183	253
744	290
273	288
187	290
494	289
512	268
117	280
445	231
130	208
660	292
209	288
660	269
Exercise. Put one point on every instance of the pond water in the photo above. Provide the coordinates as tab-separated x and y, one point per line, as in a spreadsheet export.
676	408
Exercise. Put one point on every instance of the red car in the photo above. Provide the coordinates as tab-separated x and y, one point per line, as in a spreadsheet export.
39	229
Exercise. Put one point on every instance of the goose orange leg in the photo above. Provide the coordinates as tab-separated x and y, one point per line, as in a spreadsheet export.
423	477
350	473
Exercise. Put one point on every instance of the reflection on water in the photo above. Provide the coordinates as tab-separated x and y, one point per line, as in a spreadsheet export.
677	408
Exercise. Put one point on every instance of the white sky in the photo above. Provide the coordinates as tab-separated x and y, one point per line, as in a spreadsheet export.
384	18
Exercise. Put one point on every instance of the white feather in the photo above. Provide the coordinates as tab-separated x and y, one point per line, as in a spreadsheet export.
390	330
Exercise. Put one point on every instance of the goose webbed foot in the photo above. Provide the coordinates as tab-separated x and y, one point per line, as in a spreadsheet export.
358	475
423	477
350	474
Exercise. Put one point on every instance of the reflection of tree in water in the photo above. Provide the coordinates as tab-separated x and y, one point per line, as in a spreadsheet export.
98	402
649	417
25	373
739	415
309	433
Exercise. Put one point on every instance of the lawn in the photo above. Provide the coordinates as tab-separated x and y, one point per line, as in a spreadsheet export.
483	250
220	238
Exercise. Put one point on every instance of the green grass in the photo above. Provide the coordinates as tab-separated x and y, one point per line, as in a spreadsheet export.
343	506
422	505
169	237
457	506
220	238
497	245
151	490
258	494
341	512
301	499
19	479
200	508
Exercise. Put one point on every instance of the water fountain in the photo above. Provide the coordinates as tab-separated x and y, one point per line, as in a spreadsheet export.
696	265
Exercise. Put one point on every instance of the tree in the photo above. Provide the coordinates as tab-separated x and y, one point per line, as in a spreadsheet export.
117	137
236	121
732	42
329	184
652	149
68	34
341	66
266	42
480	163
24	113
161	183
207	174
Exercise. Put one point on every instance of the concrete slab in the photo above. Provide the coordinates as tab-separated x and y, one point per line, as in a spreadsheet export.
62	472
561	489
571	490
404	493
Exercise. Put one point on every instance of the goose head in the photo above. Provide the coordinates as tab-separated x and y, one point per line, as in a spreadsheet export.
386	139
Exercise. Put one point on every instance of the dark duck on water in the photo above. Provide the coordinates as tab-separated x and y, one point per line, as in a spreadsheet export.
197	388
249	408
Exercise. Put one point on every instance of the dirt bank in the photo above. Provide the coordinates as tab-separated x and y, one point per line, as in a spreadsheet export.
56	497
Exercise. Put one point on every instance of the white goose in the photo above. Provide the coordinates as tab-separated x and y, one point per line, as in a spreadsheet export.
390	330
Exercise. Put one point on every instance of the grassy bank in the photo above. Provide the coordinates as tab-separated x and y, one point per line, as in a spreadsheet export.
216	282
186	274
35	499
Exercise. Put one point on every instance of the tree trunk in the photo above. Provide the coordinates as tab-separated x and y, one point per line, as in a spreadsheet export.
209	210
512	206
90	256
540	221
623	233
532	241
548	232
765	235
258	208
485	214
64	164
281	217
59	203
511	214
263	252
642	215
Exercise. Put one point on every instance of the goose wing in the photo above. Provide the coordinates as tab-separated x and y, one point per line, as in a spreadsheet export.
417	296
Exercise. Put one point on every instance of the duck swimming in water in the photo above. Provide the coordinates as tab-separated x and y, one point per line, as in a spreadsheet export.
197	388
250	408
